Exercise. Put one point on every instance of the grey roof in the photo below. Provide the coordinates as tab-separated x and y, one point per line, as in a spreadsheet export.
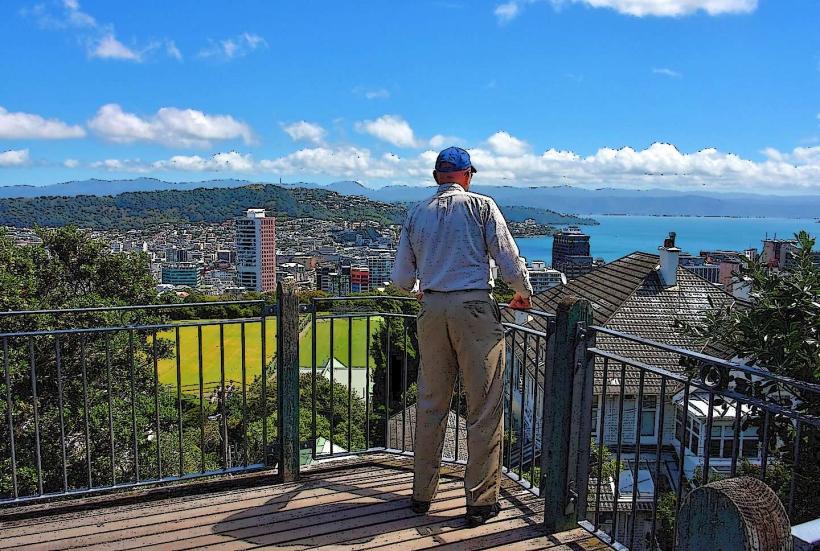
627	295
395	432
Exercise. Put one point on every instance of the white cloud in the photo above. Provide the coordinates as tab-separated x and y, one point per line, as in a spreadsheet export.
169	126
71	163
304	131
371	93
28	126
18	157
119	165
505	144
172	50
230	161
100	39
660	166
68	15
391	129
380	93
343	161
667	72
673	8
233	48
439	140
508	11
108	47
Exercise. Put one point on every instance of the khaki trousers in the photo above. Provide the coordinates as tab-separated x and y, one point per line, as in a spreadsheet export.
460	332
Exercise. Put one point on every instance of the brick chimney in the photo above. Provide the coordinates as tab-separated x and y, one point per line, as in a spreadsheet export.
670	256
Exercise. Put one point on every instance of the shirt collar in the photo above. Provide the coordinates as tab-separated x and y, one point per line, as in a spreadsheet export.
449	186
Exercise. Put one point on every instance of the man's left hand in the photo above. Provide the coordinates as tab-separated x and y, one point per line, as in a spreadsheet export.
520	302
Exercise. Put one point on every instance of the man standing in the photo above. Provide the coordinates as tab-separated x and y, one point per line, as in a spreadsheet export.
446	244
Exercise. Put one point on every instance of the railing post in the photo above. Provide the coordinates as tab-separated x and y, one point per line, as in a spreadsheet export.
287	383
566	411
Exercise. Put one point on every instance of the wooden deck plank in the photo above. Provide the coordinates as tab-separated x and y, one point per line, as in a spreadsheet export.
326	514
443	510
356	503
426	531
150	517
208	515
180	503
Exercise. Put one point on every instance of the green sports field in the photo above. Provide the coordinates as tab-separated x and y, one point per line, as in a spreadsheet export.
340	342
189	351
189	354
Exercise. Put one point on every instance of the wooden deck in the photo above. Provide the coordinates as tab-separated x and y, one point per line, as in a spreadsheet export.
353	504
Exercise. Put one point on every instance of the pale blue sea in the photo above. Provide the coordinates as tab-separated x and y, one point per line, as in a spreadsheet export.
617	236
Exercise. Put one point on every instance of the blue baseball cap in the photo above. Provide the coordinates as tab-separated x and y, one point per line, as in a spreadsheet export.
454	159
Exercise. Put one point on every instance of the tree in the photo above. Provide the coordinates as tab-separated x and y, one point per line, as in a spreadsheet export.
87	402
780	331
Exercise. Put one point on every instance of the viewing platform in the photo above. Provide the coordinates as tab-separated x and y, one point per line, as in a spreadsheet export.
359	502
220	425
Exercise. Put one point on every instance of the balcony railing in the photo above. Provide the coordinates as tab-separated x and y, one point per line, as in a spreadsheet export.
118	397
98	399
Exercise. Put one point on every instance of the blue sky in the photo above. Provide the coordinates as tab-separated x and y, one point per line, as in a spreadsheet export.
685	94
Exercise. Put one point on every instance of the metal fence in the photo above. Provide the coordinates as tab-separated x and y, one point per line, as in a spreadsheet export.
374	365
95	399
629	426
669	431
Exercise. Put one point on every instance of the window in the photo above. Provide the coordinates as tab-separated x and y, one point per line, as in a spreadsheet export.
749	443
595	420
679	423
694	435
648	410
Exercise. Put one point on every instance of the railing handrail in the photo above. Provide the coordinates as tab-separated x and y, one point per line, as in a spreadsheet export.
711	360
361	297
10	313
134	327
700	385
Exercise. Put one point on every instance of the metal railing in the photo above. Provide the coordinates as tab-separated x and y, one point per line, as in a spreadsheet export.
93	405
95	399
666	432
374	365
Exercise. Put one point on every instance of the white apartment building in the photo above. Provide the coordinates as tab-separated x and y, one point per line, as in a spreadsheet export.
543	278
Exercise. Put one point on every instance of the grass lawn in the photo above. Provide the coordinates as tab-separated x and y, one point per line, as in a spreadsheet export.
340	338
189	360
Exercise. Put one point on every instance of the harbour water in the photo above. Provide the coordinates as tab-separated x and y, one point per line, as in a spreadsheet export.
617	236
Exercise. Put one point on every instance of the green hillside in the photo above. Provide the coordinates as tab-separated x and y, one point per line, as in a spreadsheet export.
146	208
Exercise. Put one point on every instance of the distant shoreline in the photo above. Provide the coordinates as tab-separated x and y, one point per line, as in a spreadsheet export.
724	216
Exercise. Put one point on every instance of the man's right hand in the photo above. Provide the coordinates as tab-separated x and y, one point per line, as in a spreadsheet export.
520	302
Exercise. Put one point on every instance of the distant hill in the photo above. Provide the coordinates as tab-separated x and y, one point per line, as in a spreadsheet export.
145	208
564	199
625	201
111	187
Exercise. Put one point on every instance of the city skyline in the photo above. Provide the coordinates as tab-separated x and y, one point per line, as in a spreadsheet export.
711	95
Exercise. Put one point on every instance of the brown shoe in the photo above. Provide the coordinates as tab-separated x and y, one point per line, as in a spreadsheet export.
419	507
479	514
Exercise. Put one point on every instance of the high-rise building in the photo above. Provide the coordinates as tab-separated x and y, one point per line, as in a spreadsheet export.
359	279
174	254
344	280
776	252
701	266
543	278
380	264
256	251
225	255
570	253
328	280
184	274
